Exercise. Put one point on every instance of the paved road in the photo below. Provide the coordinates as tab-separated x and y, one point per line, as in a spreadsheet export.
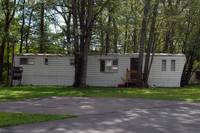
107	115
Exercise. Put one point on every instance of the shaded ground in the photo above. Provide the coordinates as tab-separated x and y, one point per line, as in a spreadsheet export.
109	115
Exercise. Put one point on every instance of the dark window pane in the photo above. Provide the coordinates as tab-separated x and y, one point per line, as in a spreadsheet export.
46	61
72	61
23	61
115	62
102	66
134	63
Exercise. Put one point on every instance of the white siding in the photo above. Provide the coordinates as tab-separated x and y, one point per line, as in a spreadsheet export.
166	78
97	78
60	72
57	72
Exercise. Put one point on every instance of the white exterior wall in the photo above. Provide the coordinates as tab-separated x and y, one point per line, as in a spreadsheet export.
57	72
60	72
166	78
97	78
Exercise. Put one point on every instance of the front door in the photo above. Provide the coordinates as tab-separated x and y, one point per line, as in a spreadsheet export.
134	63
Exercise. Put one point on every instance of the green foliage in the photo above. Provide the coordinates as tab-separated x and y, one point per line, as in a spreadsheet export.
10	119
189	93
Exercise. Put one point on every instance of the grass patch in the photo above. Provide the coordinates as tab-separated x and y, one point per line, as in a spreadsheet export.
10	119
189	93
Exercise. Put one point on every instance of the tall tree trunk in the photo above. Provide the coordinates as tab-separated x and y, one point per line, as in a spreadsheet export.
190	60
2	51
135	41
68	33
22	28
171	41
149	47
8	61
167	39
42	27
108	33
102	41
28	30
125	43
87	37
142	40
86	20
187	71
76	44
115	35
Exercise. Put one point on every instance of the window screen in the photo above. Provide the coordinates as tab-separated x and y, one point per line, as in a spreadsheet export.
173	65
164	63
23	61
26	61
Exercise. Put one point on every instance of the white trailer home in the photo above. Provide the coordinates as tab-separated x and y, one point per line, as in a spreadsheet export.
103	69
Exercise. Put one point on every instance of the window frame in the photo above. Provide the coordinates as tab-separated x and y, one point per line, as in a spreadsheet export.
107	65
29	61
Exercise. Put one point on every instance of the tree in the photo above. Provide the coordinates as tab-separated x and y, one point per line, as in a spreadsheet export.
9	12
42	27
86	17
142	39
62	9
191	45
22	27
149	46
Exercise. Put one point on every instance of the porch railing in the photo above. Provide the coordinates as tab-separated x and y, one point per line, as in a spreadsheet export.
131	76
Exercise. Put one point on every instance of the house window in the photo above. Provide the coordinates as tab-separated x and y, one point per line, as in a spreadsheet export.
26	61
164	63
102	66
109	66
46	61
72	62
173	65
115	62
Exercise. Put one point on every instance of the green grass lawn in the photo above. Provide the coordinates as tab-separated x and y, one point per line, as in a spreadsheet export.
189	93
10	119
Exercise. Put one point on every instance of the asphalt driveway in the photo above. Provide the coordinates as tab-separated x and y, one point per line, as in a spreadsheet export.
107	115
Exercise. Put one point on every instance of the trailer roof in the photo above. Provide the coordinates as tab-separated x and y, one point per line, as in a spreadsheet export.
98	54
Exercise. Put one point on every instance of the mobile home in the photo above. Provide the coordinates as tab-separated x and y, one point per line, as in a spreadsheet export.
103	69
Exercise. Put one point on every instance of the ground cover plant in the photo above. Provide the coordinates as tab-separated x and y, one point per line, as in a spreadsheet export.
10	119
189	93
